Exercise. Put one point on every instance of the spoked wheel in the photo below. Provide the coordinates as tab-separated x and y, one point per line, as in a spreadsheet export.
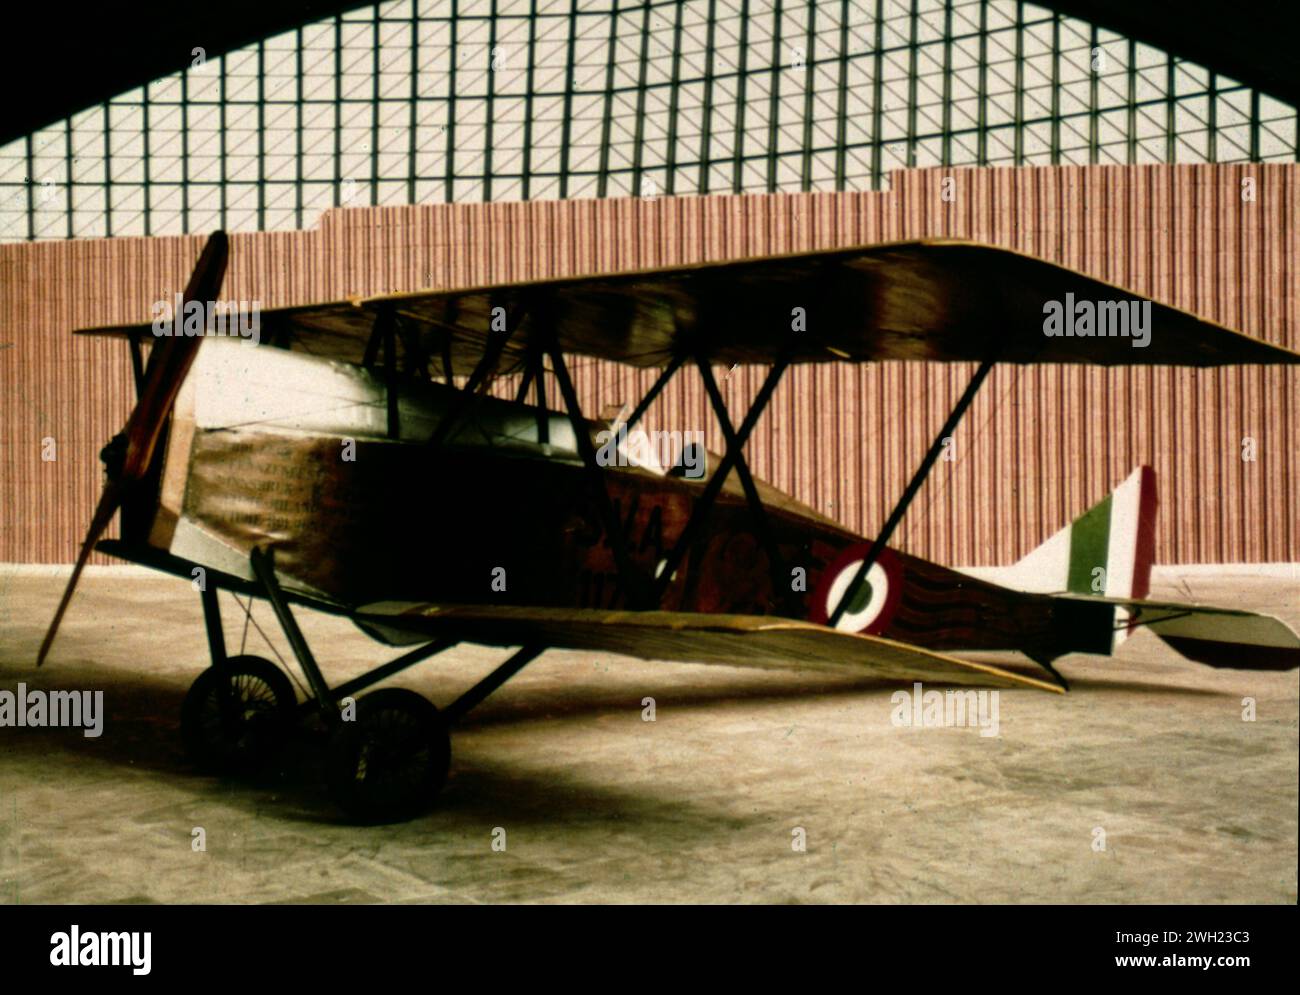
389	761
235	716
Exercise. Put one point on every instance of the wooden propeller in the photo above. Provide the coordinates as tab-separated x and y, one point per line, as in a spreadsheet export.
169	362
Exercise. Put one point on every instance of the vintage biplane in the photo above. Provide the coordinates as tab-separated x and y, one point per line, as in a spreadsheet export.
355	463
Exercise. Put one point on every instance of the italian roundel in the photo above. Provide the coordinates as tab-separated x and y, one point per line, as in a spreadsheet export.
872	606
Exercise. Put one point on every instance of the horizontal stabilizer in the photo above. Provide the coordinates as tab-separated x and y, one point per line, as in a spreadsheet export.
1218	637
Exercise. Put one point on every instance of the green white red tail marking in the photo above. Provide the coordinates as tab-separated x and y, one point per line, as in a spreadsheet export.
1107	551
1106	554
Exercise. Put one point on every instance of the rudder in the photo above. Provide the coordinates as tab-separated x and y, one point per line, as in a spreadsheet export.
1107	551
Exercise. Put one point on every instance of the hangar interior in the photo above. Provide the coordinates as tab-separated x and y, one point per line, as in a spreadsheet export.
400	146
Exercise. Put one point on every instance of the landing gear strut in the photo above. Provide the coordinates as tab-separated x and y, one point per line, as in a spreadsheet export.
386	759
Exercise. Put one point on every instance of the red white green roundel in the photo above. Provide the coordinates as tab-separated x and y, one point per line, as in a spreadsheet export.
875	601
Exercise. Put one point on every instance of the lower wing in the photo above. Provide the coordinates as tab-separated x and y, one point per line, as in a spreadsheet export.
686	637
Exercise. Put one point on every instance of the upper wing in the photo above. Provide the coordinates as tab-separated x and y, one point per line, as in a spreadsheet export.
735	640
926	300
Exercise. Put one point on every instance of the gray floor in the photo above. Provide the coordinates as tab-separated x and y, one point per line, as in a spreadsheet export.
700	805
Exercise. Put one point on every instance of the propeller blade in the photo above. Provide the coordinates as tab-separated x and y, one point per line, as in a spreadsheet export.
109	502
169	361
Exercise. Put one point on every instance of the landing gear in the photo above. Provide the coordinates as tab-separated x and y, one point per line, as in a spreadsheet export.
383	763
389	762
237	715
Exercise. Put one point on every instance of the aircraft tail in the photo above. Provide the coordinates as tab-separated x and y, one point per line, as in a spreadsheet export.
1106	551
1099	569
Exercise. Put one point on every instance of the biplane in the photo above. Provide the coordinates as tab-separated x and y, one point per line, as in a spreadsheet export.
354	462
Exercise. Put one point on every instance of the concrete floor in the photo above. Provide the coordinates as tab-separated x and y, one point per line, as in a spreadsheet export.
598	805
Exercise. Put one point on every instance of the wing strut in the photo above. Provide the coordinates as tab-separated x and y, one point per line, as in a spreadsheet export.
704	504
373	343
660	383
263	563
383	335
137	364
633	581
776	566
923	471
535	377
387	326
487	365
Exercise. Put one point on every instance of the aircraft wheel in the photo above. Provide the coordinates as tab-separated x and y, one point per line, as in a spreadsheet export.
235	716
389	761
